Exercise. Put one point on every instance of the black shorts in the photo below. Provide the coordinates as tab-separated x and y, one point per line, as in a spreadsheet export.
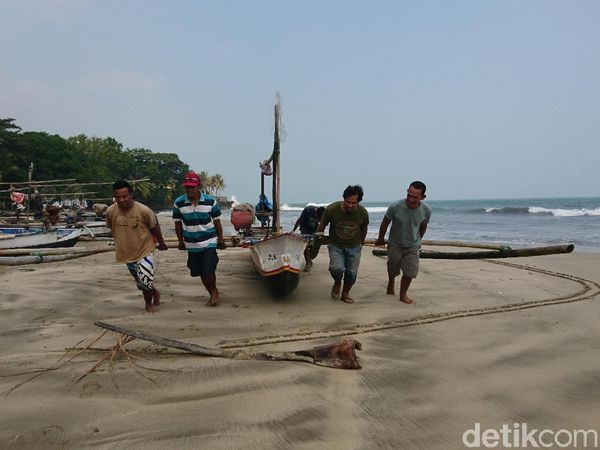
203	263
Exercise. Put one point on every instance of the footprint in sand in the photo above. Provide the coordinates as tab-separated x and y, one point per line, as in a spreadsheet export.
89	388
54	434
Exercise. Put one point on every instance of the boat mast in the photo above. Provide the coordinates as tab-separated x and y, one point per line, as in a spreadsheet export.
276	168
29	194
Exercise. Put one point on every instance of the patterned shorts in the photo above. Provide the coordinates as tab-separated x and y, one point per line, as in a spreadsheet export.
142	272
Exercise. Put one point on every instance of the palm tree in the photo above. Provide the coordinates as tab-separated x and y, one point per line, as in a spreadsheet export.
205	179
143	188
218	182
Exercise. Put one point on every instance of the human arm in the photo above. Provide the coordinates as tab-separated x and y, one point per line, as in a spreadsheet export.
382	230
322	224
179	233
422	229
220	240
297	224
157	233
363	232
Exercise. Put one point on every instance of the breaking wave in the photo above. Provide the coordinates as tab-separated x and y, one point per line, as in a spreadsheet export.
556	212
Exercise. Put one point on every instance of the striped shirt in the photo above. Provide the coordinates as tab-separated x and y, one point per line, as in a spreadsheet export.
199	231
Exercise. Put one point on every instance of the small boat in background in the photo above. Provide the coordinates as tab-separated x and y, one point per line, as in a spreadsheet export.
279	259
49	239
242	216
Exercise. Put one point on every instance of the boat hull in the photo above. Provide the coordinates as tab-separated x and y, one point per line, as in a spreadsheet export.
279	260
50	239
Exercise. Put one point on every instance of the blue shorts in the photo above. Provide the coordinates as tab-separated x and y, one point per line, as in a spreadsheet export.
203	263
343	263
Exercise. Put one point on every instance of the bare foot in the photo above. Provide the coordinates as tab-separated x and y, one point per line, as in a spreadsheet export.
390	290
335	292
156	301
150	309
347	299
214	298
407	299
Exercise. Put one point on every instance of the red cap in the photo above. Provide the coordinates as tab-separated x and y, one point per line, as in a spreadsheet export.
191	179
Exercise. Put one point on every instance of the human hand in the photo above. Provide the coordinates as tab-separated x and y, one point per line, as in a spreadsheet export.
380	242
181	245
163	246
221	245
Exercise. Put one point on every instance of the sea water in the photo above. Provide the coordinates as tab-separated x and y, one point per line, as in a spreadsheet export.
515	222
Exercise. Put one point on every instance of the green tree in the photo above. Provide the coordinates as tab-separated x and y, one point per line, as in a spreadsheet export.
9	162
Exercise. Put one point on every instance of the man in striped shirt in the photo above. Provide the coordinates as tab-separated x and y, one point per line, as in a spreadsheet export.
199	231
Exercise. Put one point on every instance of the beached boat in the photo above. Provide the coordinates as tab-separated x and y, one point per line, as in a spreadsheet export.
242	216
279	260
50	239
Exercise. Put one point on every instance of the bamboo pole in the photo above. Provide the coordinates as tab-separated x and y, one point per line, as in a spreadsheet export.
38	259
35	182
371	241
52	251
41	183
506	253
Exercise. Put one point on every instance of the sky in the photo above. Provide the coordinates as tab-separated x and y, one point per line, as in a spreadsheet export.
478	99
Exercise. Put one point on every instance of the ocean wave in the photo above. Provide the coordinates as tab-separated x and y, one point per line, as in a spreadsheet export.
507	210
556	212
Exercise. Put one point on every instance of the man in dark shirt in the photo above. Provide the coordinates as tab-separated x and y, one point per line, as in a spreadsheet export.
308	222
348	223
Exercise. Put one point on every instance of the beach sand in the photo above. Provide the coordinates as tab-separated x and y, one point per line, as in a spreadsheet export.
486	343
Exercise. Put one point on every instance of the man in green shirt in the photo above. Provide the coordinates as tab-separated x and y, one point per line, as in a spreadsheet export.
409	218
347	231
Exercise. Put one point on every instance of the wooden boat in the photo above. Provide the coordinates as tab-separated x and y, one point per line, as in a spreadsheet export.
22	231
279	259
50	239
242	216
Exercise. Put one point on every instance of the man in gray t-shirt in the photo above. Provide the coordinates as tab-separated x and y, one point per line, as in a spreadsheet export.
409	219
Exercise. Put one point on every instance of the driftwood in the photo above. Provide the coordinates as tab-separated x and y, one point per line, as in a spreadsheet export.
339	355
505	252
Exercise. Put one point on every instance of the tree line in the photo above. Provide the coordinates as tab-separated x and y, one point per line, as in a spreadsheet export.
93	159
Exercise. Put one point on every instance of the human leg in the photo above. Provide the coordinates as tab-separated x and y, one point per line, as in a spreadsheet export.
404	285
394	257
336	269
204	265
307	259
210	283
410	269
351	263
142	272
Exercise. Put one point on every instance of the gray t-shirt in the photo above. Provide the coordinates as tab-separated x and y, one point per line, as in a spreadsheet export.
406	222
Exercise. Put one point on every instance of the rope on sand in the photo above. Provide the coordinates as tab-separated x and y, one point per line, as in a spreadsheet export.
588	290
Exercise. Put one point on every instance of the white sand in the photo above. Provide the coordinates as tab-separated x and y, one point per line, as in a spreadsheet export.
430	370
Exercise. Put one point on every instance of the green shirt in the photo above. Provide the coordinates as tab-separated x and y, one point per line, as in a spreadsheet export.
345	230
406	222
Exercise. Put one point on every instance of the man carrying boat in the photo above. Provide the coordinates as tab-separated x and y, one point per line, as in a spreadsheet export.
409	219
308	223
199	231
134	226
347	232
